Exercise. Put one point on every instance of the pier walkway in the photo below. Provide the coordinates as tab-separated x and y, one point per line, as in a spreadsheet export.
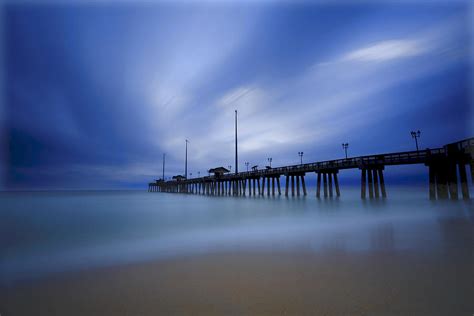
446	165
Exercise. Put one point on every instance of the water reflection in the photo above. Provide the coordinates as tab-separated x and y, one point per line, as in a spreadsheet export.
382	238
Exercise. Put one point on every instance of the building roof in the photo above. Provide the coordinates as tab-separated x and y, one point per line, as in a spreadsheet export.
179	177
219	170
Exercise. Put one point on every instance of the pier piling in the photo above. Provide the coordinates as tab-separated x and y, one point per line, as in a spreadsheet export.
463	178
325	182
292	185
318	186
336	183
330	184
297	185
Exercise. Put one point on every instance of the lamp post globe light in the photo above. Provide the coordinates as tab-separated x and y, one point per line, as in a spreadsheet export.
345	146
300	153
247	165
416	135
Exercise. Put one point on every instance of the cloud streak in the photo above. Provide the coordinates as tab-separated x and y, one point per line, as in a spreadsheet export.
386	50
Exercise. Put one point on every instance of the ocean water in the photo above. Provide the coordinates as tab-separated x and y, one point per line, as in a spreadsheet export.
45	233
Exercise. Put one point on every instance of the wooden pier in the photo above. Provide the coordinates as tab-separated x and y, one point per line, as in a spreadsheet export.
447	168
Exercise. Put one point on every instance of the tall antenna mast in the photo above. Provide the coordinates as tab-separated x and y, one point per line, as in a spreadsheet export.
236	157
164	155
186	161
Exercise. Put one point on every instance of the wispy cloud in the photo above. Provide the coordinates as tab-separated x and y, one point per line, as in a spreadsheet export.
387	50
307	110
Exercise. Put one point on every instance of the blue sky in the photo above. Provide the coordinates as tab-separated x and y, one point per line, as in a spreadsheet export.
94	92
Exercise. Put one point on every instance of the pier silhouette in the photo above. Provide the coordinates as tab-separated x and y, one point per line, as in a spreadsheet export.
443	165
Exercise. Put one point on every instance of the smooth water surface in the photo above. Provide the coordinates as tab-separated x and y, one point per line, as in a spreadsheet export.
48	232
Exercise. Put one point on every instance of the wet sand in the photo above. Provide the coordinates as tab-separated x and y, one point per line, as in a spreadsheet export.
332	283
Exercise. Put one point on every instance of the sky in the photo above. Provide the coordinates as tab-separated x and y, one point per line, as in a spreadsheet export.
94	92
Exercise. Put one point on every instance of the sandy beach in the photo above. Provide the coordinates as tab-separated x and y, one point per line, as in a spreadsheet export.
257	284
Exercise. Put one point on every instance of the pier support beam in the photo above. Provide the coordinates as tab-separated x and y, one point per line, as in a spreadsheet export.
382	183
370	182
303	184
336	184
432	179
268	186
325	182
286	185
443	179
472	171
374	179
376	184
463	178
297	185
330	184
292	185
363	184
278	184
453	181
442	182
318	186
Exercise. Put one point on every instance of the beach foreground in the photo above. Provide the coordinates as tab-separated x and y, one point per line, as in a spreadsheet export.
331	283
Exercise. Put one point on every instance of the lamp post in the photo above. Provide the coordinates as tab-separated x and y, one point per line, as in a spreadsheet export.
247	165
186	161
199	174
236	156
230	168
163	177
190	175
345	146
300	153
416	135
270	161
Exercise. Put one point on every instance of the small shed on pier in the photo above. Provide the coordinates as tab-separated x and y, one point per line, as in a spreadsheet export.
219	171
179	177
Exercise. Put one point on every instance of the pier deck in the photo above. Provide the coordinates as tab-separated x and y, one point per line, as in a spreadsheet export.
444	164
